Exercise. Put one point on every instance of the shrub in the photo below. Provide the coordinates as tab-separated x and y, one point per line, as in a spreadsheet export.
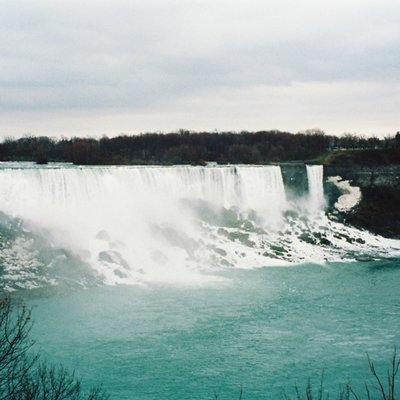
22	375
382	388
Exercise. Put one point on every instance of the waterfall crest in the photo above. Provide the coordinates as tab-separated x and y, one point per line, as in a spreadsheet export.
169	224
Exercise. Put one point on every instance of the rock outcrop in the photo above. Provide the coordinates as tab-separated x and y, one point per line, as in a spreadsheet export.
379	176
379	207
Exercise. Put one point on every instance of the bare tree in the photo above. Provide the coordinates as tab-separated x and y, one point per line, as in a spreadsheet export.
382	387
22	376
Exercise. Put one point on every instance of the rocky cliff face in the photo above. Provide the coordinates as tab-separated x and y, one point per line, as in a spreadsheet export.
373	193
379	207
366	177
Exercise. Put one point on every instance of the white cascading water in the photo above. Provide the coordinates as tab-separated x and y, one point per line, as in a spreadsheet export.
174	224
134	223
315	176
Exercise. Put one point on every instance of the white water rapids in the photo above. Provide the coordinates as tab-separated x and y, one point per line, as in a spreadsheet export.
171	224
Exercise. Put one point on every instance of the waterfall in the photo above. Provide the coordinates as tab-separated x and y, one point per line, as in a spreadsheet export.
140	219
162	224
316	200
27	192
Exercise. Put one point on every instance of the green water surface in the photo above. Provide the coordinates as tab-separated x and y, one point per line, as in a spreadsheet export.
265	329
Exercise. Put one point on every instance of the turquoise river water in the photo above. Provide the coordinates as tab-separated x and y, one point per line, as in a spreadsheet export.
265	329
188	282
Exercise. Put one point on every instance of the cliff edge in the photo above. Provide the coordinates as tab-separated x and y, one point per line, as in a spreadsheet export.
377	175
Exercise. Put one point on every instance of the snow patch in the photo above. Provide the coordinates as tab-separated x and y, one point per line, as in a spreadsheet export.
351	194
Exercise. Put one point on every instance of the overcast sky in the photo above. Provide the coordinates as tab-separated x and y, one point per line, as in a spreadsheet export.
93	67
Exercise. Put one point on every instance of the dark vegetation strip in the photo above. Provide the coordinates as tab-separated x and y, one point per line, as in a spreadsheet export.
185	147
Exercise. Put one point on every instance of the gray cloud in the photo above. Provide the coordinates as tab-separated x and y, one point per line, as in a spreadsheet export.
143	56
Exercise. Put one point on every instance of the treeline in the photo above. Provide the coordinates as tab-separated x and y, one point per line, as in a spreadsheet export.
185	147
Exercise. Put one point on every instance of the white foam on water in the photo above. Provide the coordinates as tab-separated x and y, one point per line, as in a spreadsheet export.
179	224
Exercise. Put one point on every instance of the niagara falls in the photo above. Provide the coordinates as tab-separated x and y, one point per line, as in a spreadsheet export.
199	200
133	225
194	279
